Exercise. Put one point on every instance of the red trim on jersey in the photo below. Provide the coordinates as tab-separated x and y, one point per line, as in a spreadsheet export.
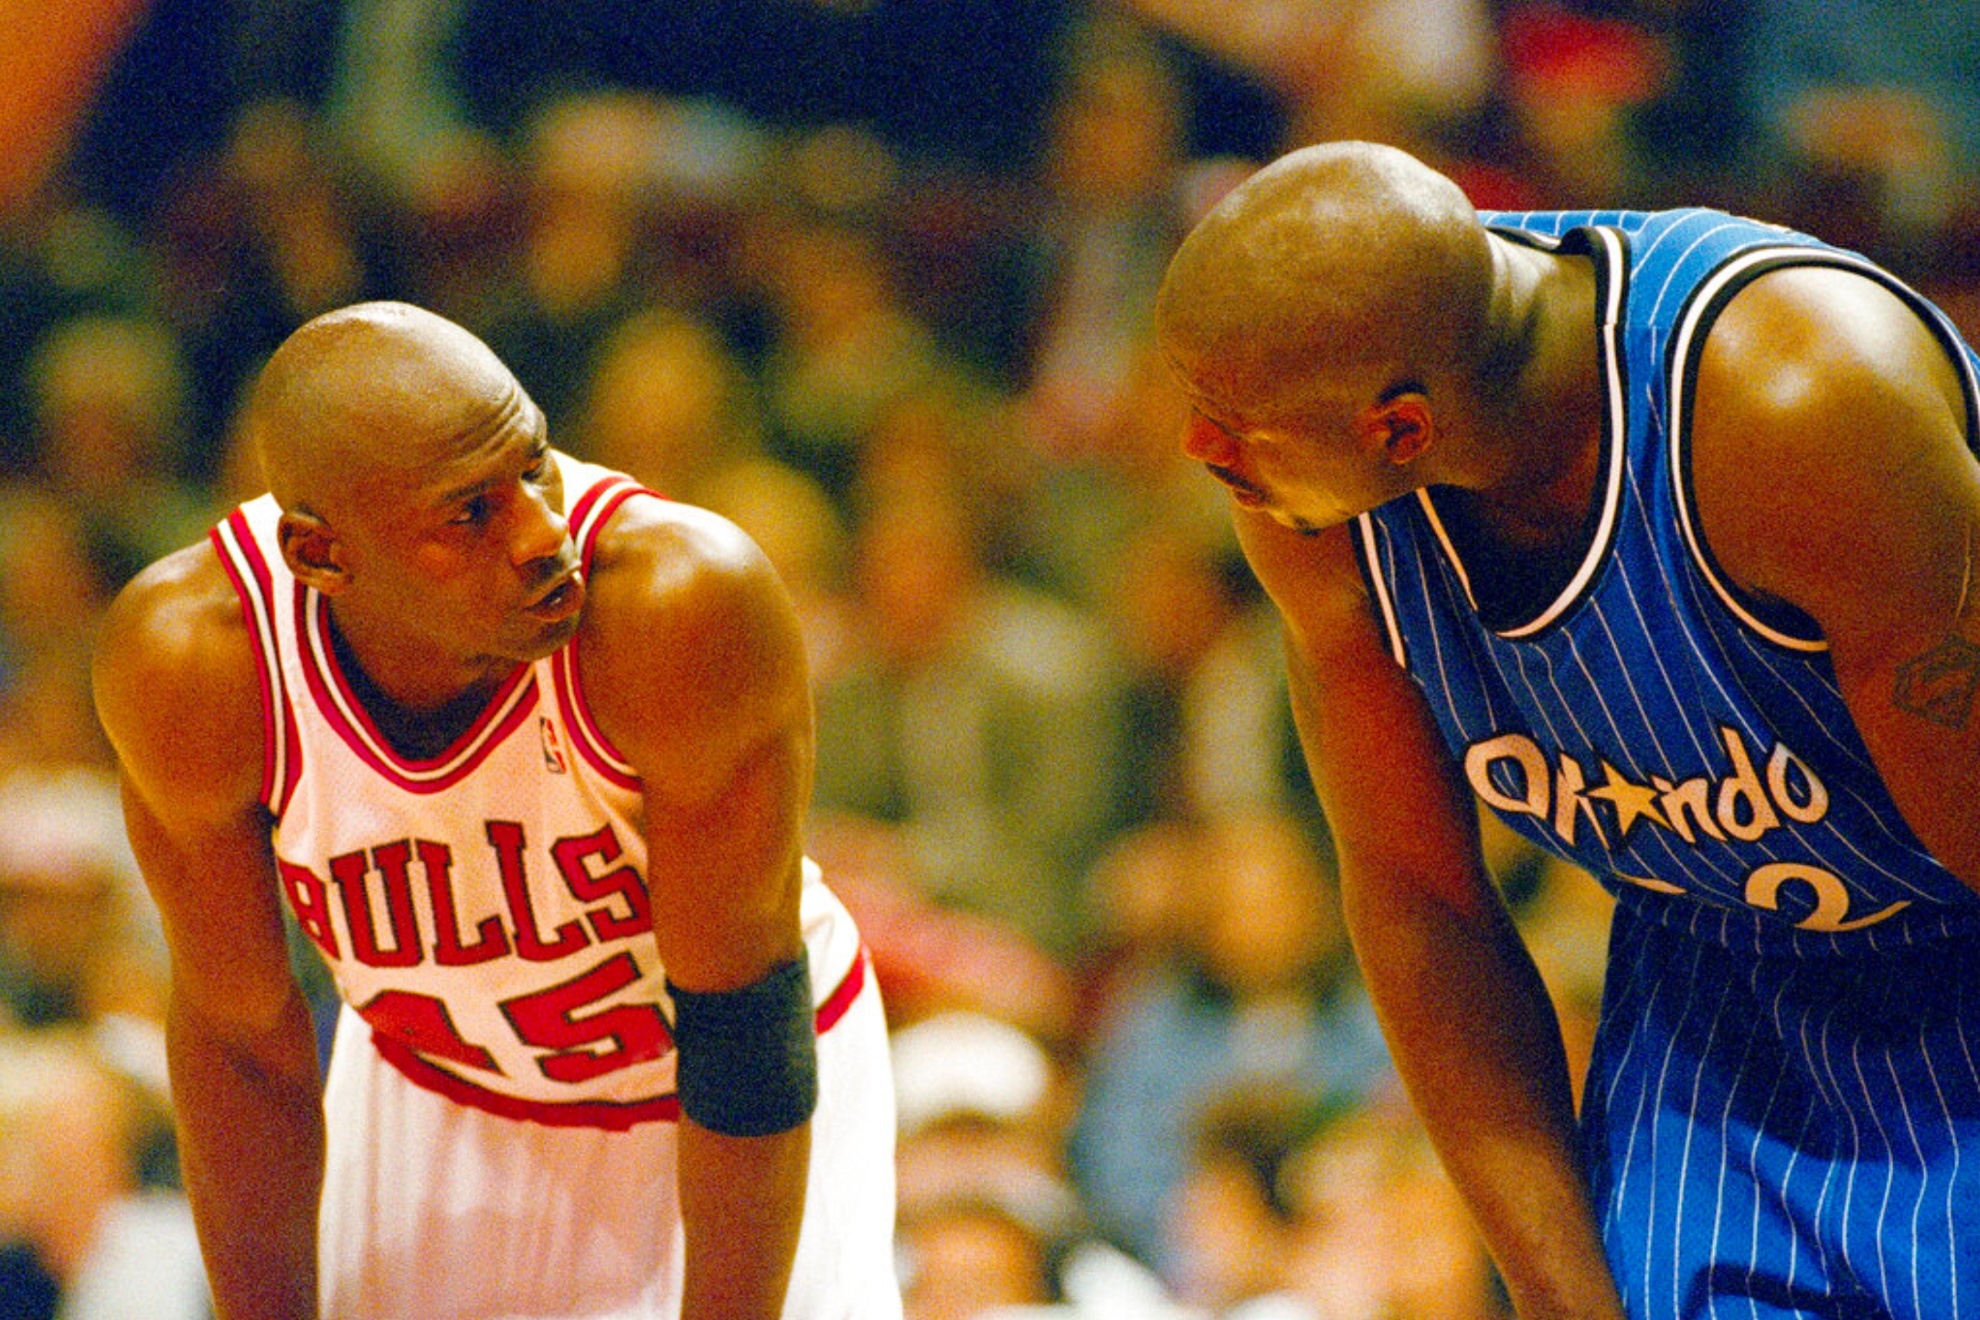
597	505
592	744
588	518
505	712
841	999
611	1115
608	495
281	744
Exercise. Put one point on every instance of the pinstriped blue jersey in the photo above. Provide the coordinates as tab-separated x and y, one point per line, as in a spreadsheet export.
1651	723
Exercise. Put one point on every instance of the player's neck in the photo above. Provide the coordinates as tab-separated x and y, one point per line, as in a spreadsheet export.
420	711
1540	440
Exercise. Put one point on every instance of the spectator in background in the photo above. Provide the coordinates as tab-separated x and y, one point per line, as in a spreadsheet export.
789	514
666	401
79	938
975	714
986	1213
971	1255
1261	988
82	1237
842	350
251	240
60	259
1575	84
578	264
54	583
1109	213
1206	728
391	103
1869	115
301	207
1137	905
1374	1227
1231	1221
1096	410
1401	70
990	1226
109	396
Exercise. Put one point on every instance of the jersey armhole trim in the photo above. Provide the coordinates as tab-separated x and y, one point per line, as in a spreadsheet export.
589	515
281	745
1687	347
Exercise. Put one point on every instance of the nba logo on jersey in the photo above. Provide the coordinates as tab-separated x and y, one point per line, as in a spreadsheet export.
553	747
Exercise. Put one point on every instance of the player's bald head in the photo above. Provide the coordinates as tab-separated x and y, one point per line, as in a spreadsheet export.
368	390
1333	259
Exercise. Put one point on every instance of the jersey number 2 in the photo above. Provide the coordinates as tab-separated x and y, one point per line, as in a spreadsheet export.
551	1020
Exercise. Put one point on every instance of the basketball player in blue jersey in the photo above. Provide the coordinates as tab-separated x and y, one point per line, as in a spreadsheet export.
1657	534
525	751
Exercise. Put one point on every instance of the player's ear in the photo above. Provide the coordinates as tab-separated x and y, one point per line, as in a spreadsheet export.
312	551
1398	426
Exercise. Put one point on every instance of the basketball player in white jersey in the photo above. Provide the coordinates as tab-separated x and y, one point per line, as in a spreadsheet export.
525	750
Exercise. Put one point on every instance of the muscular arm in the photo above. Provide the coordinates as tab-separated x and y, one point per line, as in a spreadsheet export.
1832	472
1467	1017
177	694
695	669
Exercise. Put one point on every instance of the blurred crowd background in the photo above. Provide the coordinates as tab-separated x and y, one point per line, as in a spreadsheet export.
871	277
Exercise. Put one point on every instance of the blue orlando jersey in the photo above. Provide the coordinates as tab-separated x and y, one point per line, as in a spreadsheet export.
1653	724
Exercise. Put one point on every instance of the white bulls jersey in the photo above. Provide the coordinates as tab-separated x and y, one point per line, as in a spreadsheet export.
500	1100
484	911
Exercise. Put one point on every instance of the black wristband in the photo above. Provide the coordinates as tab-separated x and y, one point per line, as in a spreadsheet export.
747	1059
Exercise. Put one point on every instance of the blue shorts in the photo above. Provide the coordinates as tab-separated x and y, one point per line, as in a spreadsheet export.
1775	1137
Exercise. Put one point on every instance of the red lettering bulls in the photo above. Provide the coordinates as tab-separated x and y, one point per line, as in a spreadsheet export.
384	927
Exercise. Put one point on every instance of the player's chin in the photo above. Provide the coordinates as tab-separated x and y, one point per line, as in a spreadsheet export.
1281	517
1310	517
534	639
546	625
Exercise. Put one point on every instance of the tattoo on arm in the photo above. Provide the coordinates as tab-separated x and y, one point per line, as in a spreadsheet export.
1940	684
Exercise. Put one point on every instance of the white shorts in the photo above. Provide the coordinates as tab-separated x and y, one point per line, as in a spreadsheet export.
436	1211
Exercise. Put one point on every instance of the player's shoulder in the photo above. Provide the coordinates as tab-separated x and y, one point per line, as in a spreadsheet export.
689	634
1822	392
657	554
1830	349
641	545
175	673
1830	314
672	586
178	616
